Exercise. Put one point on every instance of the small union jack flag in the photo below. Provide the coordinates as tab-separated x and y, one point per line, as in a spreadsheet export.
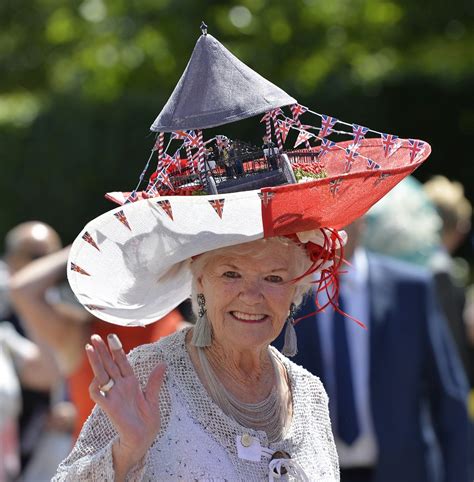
120	215
327	123
167	160
88	238
359	132
166	206
266	197
372	165
415	148
388	142
192	140
303	136
151	191
164	179
283	129
179	135
326	146
132	198
78	269
350	155
218	205
335	185
297	110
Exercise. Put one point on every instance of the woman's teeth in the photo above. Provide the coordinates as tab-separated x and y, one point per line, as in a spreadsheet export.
248	316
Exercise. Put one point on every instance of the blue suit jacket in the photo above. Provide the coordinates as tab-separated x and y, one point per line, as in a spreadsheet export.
415	376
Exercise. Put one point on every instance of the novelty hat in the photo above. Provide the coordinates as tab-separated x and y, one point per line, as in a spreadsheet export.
131	266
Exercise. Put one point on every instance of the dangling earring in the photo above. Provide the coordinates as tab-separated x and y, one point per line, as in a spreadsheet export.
290	347
202	332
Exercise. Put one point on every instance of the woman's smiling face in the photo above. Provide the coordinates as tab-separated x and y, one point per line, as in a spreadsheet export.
248	298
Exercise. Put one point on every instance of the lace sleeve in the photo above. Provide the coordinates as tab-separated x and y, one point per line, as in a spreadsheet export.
91	457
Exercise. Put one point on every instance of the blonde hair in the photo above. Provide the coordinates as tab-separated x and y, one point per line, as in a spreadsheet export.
298	260
453	207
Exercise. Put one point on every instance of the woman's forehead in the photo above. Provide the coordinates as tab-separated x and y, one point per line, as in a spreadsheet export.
267	259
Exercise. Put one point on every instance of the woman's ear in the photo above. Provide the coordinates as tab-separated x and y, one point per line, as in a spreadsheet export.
199	284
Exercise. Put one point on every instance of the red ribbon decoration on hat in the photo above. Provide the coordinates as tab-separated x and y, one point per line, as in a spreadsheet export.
329	276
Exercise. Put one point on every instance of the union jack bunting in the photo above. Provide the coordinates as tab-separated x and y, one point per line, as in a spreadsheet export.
415	148
371	164
151	191
164	179
78	269
192	140
166	206
350	156
326	146
335	185
266	197
120	215
297	110
283	129
167	160
218	205
359	132
132	198
327	123
388	141
88	238
303	136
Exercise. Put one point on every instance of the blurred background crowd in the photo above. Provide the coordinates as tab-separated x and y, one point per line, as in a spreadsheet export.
82	82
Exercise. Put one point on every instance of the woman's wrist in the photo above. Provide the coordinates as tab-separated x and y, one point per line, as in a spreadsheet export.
125	458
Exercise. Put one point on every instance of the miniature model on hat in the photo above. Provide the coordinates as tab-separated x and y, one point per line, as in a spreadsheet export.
238	229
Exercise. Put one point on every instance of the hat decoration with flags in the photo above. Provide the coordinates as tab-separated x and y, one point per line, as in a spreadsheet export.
131	266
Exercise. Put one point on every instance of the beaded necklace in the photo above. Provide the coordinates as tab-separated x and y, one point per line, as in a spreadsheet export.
270	415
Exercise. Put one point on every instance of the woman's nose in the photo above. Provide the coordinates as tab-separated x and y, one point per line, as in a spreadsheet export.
251	292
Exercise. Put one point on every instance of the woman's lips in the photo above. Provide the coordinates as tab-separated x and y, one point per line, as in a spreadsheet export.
249	317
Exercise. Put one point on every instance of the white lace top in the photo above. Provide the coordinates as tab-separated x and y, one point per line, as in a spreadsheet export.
198	442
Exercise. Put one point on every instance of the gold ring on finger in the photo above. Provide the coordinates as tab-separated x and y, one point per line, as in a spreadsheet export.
107	386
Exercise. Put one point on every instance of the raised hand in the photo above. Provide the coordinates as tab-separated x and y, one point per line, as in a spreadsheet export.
134	412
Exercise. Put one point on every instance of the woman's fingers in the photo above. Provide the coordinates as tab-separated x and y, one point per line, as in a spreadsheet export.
101	375
118	355
109	364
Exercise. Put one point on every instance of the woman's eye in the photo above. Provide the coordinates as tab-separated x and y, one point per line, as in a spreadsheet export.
273	278
231	274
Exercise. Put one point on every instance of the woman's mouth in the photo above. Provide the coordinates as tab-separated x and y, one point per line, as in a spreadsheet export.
248	317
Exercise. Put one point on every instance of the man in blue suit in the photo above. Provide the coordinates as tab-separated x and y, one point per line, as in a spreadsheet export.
397	391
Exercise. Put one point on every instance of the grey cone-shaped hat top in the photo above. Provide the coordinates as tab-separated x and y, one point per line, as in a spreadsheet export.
217	88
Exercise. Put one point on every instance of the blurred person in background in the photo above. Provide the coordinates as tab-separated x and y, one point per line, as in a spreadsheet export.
22	366
451	274
40	421
397	390
66	327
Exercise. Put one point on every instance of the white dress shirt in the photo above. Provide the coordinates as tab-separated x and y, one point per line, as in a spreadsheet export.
354	288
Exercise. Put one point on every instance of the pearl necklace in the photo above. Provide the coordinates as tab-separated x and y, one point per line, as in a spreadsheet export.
270	415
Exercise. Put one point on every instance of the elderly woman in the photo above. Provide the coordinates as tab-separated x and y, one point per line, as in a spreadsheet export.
214	402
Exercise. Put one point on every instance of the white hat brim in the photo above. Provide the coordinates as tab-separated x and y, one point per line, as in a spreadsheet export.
131	266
